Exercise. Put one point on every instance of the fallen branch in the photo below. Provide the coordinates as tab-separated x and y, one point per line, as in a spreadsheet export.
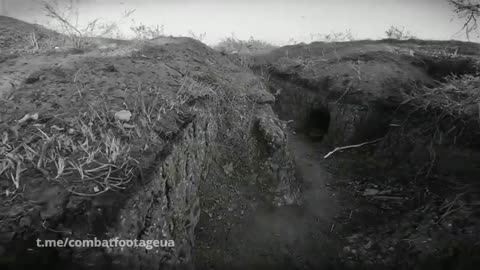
350	146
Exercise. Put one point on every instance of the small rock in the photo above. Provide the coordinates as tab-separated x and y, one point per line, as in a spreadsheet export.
110	68
368	245
25	222
28	117
32	79
370	192
228	169
123	115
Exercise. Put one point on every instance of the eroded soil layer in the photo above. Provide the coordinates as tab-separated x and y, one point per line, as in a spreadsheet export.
408	114
115	143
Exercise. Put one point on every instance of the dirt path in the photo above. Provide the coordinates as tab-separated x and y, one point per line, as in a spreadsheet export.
294	237
319	200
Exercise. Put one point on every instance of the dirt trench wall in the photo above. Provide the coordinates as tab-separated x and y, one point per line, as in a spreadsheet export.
220	121
169	206
348	122
363	87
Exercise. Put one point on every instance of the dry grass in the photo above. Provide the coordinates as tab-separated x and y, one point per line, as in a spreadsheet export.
93	153
457	97
233	45
447	114
78	36
147	32
397	33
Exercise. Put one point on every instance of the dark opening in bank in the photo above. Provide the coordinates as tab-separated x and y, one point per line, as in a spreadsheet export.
317	124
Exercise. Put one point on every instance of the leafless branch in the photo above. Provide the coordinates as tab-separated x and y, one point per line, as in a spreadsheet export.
350	146
468	10
53	13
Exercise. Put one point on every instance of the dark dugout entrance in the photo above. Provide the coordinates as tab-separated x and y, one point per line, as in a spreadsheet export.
317	123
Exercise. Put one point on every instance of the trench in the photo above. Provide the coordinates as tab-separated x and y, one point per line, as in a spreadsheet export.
317	233
288	237
321	232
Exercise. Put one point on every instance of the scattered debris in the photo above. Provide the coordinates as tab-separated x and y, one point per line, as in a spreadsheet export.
27	117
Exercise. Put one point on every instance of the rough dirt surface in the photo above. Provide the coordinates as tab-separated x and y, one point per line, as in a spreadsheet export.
410	199
116	142
20	37
241	232
198	155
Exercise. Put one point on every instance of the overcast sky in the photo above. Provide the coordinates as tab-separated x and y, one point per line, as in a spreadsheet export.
276	21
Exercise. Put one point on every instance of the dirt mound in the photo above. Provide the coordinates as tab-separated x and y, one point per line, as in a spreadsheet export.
355	89
416	103
20	37
116	144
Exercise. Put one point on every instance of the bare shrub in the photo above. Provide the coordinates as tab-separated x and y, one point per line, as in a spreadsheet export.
333	36
400	34
237	46
457	96
146	32
200	37
32	39
468	10
78	35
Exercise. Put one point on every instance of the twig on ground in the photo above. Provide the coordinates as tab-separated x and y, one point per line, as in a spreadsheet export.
350	146
450	206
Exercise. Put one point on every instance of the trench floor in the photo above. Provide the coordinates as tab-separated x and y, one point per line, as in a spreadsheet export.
259	237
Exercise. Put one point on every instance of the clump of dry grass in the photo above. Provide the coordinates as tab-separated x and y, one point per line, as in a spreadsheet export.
238	46
341	36
242	51
397	33
443	115
458	97
93	151
80	151
77	35
146	32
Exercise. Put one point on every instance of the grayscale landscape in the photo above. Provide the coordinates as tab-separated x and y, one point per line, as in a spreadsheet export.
252	134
